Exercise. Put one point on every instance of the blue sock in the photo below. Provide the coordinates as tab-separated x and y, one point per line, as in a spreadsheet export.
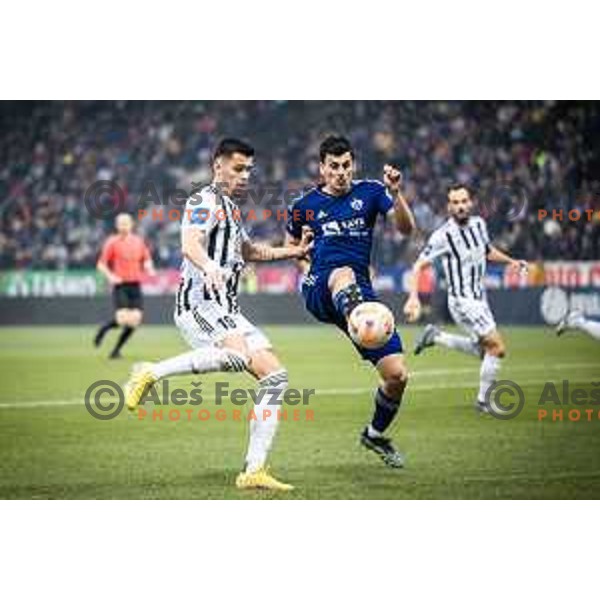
385	411
347	299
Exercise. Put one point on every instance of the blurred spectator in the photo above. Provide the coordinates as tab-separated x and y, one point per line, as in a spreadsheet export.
51	152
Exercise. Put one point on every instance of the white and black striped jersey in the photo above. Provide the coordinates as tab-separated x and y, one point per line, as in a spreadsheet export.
463	250
218	217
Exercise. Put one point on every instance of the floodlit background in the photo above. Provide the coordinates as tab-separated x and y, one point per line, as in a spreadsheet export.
519	157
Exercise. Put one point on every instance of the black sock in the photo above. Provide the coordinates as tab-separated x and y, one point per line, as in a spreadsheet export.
104	330
385	411
347	299
125	335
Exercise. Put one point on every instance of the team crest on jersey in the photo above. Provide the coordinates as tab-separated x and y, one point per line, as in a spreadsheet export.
356	203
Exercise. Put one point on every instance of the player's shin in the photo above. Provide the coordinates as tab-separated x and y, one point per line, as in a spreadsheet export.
490	366
203	360
386	409
264	426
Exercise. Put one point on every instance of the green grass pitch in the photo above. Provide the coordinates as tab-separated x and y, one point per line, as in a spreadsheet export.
50	447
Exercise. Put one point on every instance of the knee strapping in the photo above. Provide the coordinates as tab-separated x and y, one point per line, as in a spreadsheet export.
347	299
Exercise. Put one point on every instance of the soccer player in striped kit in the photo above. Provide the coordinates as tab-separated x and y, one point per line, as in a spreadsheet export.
215	248
463	245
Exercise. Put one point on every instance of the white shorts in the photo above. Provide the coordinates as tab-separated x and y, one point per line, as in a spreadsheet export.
474	316
207	323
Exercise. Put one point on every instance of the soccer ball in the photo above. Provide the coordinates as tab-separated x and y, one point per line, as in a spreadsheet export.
371	325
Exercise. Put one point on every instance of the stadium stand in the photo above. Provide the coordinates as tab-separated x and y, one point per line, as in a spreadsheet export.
51	152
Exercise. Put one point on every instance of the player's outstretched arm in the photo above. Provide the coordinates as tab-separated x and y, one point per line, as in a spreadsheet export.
412	307
303	262
295	249
495	255
403	216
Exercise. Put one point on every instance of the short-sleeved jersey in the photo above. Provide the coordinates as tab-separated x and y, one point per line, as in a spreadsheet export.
342	225
125	256
219	218
463	250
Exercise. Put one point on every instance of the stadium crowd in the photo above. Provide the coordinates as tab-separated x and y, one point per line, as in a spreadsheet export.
517	156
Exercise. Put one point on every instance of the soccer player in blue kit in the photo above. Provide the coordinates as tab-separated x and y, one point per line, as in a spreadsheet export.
342	213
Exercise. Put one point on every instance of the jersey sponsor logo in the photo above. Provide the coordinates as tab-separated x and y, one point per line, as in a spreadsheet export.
332	228
354	226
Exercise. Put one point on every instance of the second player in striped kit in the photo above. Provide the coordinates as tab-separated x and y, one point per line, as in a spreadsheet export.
462	244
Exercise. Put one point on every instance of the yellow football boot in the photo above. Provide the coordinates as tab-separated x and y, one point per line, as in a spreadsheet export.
261	480
140	381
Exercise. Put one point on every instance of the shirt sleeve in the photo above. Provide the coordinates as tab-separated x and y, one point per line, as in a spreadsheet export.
483	232
295	220
244	234
436	246
200	211
383	200
107	253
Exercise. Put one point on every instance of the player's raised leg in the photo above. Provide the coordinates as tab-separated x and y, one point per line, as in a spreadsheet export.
434	336
576	321
208	358
347	294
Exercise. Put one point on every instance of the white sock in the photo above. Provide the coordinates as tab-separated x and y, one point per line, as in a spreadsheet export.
373	432
490	365
592	328
203	360
457	342
262	430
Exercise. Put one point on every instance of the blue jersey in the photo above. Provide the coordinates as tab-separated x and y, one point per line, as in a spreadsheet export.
342	225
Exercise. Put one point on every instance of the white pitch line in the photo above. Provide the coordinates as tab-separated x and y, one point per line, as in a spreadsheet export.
418	372
325	392
512	369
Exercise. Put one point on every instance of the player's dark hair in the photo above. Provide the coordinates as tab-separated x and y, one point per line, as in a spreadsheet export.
336	146
459	186
230	146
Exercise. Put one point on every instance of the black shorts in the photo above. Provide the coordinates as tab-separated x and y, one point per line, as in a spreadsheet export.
128	295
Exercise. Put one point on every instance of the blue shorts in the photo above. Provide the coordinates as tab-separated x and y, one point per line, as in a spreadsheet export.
319	303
